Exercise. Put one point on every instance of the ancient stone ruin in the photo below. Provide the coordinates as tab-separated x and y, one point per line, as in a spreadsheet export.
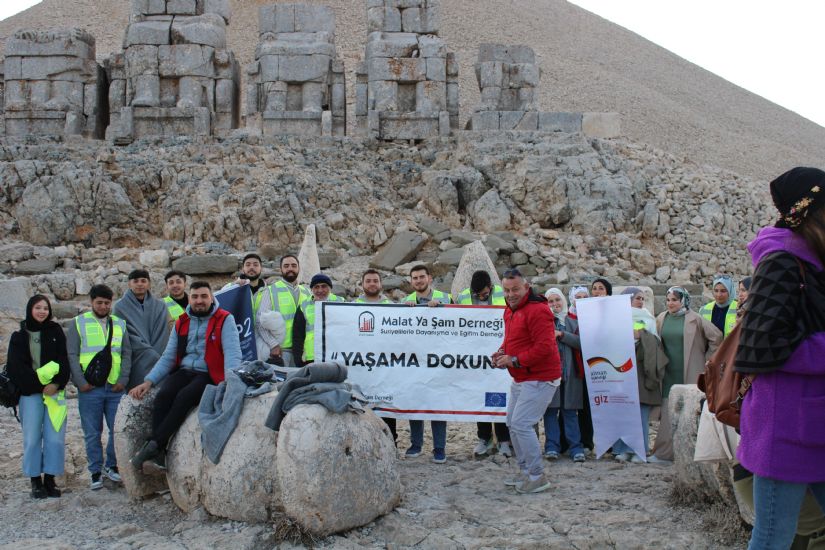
52	84
174	75
296	85
407	86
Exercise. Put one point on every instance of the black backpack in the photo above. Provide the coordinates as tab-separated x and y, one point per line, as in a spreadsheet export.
98	369
9	393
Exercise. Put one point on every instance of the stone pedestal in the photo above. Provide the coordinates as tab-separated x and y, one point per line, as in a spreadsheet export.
296	85
407	85
175	75
52	84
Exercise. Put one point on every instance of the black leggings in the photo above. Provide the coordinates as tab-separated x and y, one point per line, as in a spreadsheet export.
179	394
485	431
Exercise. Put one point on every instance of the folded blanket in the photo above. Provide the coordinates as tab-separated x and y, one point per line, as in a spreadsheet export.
311	374
337	397
219	411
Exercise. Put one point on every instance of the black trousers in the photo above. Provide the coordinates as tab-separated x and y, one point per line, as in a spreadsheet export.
390	422
485	431
179	394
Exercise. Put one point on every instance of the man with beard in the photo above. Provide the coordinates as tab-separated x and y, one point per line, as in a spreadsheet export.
85	338
285	296
203	346
147	322
424	294
303	329
371	283
176	299
251	270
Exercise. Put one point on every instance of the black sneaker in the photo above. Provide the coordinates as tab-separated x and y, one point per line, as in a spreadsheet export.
50	486
147	452
38	490
159	461
97	482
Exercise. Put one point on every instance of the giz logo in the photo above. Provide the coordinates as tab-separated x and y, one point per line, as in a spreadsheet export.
593	361
366	322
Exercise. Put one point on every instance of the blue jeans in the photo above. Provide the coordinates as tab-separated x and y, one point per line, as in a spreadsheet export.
621	447
777	504
439	428
44	449
93	406
552	434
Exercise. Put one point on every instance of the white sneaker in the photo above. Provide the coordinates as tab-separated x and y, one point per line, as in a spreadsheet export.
517	480
653	459
505	450
636	459
622	457
483	447
113	474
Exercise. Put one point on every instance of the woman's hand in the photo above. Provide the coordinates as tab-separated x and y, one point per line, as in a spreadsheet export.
50	389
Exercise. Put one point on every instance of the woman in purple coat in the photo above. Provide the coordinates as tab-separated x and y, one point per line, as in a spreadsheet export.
783	345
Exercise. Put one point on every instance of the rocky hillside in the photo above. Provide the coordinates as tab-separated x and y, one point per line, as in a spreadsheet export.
588	64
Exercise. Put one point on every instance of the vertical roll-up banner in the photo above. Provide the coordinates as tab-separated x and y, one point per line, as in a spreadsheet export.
237	300
419	363
609	354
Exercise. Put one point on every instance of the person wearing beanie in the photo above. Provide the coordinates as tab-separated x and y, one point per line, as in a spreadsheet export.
38	365
722	311
303	329
782	343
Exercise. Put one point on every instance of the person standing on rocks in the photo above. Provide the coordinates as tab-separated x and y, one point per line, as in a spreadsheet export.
372	287
176	299
482	292
568	400
425	294
530	355
722	311
251	269
285	296
204	345
38	365
89	336
147	321
303	329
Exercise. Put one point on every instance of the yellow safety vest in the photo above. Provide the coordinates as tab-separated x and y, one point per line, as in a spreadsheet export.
93	339
173	308
309	336
361	300
730	316
57	409
286	306
438	296
465	297
47	372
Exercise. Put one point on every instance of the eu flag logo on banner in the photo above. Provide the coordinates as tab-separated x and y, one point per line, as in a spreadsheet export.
495	399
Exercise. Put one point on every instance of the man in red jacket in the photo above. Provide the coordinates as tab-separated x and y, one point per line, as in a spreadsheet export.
530	354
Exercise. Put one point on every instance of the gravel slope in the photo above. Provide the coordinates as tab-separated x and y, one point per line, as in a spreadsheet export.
589	64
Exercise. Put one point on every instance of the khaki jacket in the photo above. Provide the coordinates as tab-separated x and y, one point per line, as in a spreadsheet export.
701	340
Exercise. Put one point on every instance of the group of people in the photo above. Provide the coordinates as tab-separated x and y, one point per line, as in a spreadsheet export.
185	341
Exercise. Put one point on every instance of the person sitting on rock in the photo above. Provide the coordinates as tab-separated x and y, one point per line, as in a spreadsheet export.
176	299
204	345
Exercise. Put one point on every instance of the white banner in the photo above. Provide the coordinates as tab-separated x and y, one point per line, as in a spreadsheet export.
609	354
419	363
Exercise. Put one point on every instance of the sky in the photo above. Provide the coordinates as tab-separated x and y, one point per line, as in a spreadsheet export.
771	48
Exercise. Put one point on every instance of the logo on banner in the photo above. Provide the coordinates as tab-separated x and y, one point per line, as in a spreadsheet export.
366	323
495	399
624	367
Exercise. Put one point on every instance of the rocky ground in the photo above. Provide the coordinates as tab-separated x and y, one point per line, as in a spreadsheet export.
461	504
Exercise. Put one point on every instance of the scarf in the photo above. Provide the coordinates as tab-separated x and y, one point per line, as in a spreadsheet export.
572	294
641	315
726	282
556	292
30	323
684	298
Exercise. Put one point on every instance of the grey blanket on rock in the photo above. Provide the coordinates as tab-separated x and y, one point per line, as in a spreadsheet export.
219	412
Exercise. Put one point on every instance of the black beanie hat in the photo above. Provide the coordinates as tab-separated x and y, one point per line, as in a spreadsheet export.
796	194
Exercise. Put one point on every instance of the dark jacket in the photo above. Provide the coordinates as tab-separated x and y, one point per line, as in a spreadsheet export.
52	348
572	387
650	368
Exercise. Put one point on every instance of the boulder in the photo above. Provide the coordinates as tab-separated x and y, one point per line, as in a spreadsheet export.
490	213
155	258
351	478
14	294
133	426
37	266
403	248
206	265
308	256
708	482
475	258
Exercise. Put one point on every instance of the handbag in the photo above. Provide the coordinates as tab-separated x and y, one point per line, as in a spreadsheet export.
98	369
9	393
724	387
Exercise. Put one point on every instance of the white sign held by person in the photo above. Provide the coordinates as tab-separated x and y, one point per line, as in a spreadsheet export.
609	354
419	363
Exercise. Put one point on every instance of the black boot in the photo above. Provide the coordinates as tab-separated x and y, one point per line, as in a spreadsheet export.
159	461
49	485
148	451
38	491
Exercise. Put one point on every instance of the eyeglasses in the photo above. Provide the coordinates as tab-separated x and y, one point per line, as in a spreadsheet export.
512	274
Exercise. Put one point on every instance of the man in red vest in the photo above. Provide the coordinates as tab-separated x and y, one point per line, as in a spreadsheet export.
530	354
203	346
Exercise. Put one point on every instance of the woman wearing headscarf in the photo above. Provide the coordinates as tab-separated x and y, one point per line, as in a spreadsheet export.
782	343
722	311
585	420
568	400
650	369
39	366
744	288
688	341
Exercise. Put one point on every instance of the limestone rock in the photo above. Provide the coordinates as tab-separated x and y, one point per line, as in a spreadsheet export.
16	252
308	256
133	426
14	294
37	265
490	213
155	258
351	478
475	258
403	247
205	265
